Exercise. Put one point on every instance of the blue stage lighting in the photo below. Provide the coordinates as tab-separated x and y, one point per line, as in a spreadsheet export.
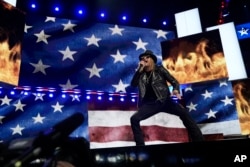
80	11
124	17
57	9
133	100
33	5
51	95
121	99
102	15
110	98
144	20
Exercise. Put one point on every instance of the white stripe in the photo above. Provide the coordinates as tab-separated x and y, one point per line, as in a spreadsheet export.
112	118
226	128
114	144
111	144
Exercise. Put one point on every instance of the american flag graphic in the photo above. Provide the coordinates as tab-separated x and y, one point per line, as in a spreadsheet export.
111	128
71	54
212	105
64	54
24	114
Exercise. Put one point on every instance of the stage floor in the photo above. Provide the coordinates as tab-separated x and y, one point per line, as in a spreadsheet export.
227	152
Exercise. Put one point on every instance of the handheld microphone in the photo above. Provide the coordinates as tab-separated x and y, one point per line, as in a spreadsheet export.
140	67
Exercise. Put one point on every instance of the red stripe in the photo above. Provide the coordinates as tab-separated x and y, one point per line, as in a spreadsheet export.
165	134
124	133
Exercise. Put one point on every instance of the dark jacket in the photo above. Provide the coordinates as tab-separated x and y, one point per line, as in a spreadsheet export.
160	77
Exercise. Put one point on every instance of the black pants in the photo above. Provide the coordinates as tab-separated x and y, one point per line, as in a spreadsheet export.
149	109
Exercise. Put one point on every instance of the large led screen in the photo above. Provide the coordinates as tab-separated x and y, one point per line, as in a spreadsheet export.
195	58
11	32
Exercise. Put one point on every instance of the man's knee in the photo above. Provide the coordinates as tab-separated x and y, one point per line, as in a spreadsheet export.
134	119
